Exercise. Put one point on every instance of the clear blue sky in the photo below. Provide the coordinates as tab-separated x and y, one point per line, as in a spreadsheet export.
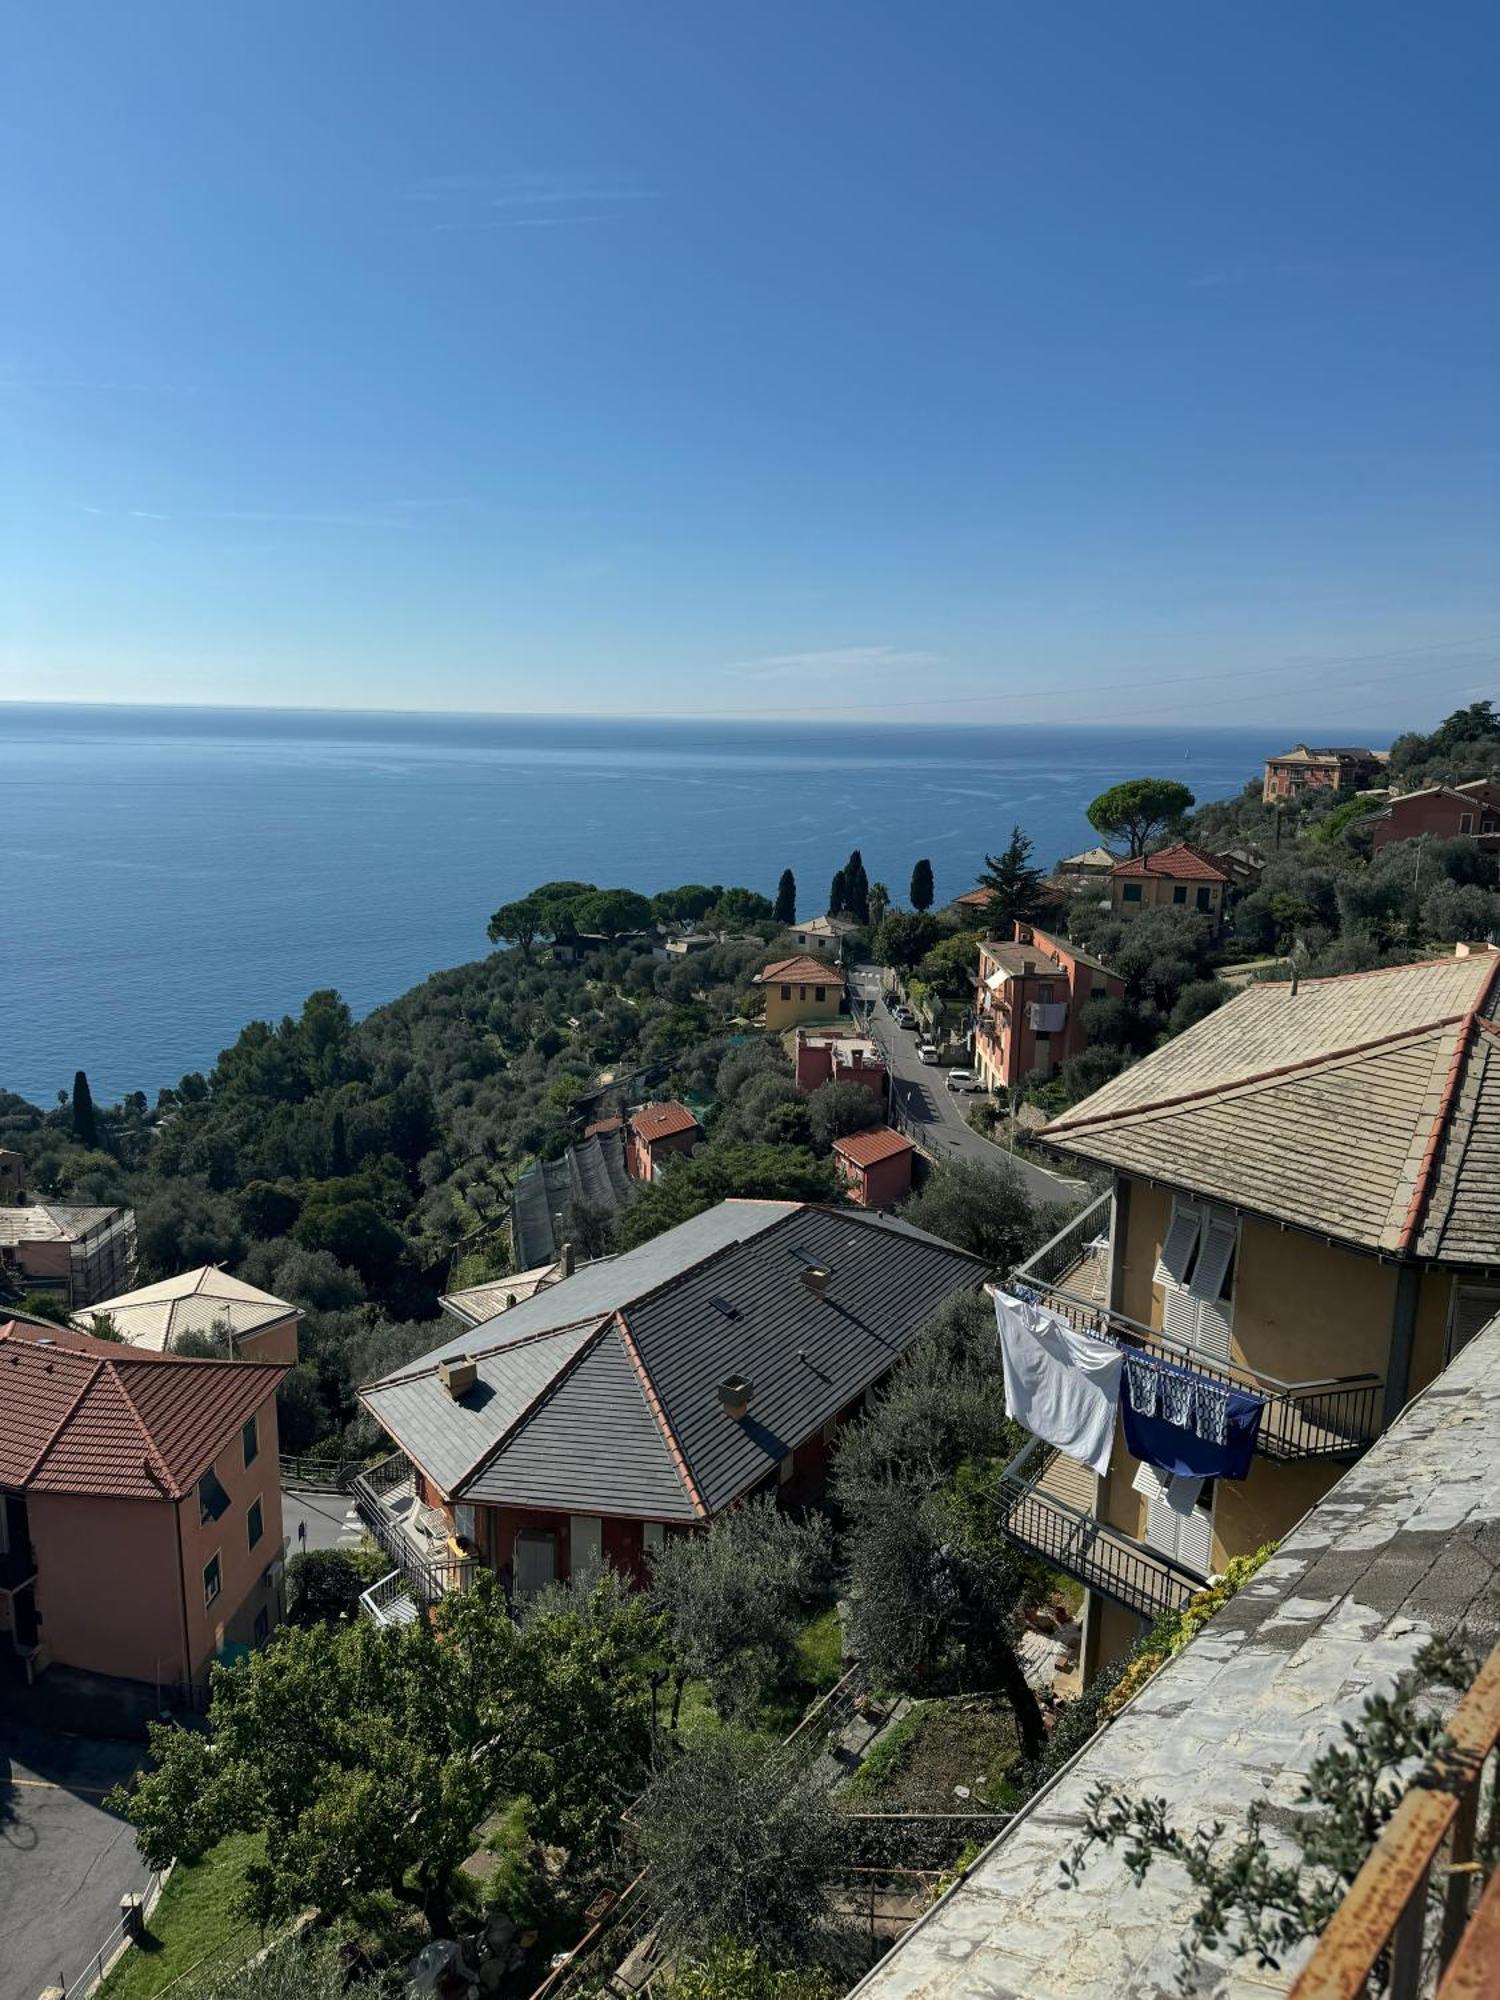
632	356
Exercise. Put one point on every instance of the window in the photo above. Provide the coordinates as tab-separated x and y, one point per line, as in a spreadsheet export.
1205	899
1466	822
250	1439
262	1626
818	992
255	1523
213	1581
212	1499
785	1470
1196	1275
1044	991
786	992
1131	892
1179	894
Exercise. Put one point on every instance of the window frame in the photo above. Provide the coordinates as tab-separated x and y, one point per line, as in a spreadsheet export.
1130	892
255	1516
216	1564
250	1439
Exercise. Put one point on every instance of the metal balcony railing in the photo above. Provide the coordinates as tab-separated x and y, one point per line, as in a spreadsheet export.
1422	1916
1330	1417
1106	1559
428	1575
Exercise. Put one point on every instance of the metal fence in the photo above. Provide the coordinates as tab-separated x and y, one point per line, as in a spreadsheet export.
127	1928
320	1475
1422	1917
428	1577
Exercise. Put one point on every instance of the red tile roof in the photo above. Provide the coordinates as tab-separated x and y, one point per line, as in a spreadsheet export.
1182	863
79	1415
603	1125
864	1149
661	1121
975	899
804	970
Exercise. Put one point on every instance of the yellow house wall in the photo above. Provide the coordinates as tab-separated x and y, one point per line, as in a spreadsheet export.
803	1006
1157	890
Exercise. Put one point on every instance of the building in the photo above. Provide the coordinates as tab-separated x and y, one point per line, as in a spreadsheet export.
1306	770
251	1325
875	1167
1306	1212
142	1507
12	1176
76	1255
651	1390
1094	863
823	937
1178	877
1029	994
1442	812
801	989
477	1304
1243	865
655	1133
1402	1548
839	1055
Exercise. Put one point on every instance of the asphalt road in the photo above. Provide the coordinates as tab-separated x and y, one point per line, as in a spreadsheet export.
64	1861
311	1520
919	1091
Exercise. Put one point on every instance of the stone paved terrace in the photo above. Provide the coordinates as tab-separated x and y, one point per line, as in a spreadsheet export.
1407	1543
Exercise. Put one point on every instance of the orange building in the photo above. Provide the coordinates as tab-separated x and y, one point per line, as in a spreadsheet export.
1442	812
140	1507
1179	877
1327	769
1028	994
875	1167
656	1132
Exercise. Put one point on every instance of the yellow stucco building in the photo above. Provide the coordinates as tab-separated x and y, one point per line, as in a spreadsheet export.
801	990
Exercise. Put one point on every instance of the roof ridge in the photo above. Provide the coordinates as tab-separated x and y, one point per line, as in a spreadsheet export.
722	1249
523	1416
1421	1192
154	1460
429	1363
67	1416
1325	1058
654	1404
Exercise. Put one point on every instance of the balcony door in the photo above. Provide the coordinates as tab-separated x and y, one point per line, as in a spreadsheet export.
1196	1272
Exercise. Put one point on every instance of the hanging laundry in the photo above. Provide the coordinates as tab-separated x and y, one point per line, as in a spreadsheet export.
1063	1386
1188	1425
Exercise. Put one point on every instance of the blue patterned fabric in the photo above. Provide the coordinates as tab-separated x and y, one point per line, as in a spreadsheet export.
1195	1428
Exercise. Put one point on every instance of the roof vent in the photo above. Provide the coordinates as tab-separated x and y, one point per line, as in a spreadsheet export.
735	1393
816	1277
565	1260
459	1373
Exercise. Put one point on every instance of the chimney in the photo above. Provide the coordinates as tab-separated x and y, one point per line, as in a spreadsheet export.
816	1277
565	1260
735	1393
459	1374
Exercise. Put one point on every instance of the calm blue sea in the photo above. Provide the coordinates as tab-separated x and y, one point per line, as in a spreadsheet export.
173	873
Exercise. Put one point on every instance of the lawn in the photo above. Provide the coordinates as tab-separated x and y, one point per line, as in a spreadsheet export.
196	1920
937	1746
818	1664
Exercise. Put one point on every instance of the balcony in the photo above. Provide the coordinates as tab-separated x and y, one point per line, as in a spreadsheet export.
413	1536
1330	1417
1040	1513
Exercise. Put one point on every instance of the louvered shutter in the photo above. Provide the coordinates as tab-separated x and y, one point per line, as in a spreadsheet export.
1215	1251
1211	1337
1179	1315
1162	1527
1182	1234
1195	1541
1474	1306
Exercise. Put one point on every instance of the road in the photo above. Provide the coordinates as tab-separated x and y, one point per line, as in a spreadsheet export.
918	1090
313	1520
64	1861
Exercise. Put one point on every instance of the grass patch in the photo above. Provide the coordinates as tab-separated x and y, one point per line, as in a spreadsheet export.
938	1745
816	1668
197	1919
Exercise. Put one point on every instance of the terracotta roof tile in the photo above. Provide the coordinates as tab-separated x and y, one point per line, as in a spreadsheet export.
804	970
662	1121
864	1149
1180	863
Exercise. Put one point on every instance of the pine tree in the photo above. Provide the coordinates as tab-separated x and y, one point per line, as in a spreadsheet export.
921	885
838	894
85	1125
1015	886
786	898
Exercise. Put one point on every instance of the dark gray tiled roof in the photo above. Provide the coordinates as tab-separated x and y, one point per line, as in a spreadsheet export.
720	1295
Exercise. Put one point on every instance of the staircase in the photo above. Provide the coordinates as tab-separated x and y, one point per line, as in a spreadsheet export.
390	1601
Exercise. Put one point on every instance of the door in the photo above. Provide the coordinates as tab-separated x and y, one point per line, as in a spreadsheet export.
585	1544
536	1561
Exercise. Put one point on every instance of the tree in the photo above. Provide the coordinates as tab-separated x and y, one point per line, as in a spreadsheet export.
728	1971
906	937
835	1110
982	1209
755	1172
516	923
736	909
85	1125
856	887
1139	809
838	894
786	898
184	1226
743	1845
950	966
323	1586
921	893
1015	886
309	1965
611	913
879	903
731	1598
43	1305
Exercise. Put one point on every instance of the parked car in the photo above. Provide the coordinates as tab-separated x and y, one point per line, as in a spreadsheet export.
962	1079
901	1014
928	1052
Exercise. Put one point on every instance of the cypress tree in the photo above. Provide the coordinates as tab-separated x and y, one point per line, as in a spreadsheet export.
921	885
838	894
857	887
786	898
85	1125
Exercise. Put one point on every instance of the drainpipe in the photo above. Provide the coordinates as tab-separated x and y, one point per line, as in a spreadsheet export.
187	1649
1403	1336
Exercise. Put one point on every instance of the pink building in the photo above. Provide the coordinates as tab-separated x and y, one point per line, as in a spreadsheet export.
140	1506
833	1055
875	1167
655	1133
1028	996
1443	812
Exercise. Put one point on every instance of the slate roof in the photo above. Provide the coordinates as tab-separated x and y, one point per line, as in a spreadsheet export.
155	1316
803	970
1365	1107
599	1394
864	1149
86	1416
662	1121
1306	753
1182	862
51	1222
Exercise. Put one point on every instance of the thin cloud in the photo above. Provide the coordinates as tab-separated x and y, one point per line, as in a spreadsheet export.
833	660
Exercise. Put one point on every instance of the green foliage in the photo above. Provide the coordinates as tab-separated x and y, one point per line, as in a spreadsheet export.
325	1585
921	892
1015	886
727	1971
85	1126
985	1210
785	911
950	966
305	1966
837	1109
1140	809
688	1186
1335	824
183	1225
880	902
906	937
44	1305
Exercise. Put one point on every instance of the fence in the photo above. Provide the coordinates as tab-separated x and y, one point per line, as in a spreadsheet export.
1405	1921
428	1577
126	1930
320	1475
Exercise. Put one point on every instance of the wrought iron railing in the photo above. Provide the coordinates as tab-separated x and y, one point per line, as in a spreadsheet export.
428	1577
1105	1558
1064	1252
1422	1916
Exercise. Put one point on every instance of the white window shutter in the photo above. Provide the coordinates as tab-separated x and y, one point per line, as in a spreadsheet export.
1150	1481
1179	1315
1163	1527
1195	1542
1177	1248
1215	1324
1219	1237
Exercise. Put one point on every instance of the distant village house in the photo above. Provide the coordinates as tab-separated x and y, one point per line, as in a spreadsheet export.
1179	877
1304	769
1029	993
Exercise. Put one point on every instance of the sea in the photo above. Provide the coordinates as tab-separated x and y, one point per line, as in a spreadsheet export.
172	873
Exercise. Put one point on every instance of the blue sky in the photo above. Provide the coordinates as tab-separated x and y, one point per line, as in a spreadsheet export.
1036	363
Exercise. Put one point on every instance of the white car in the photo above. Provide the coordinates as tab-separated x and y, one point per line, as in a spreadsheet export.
962	1079
927	1052
901	1015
